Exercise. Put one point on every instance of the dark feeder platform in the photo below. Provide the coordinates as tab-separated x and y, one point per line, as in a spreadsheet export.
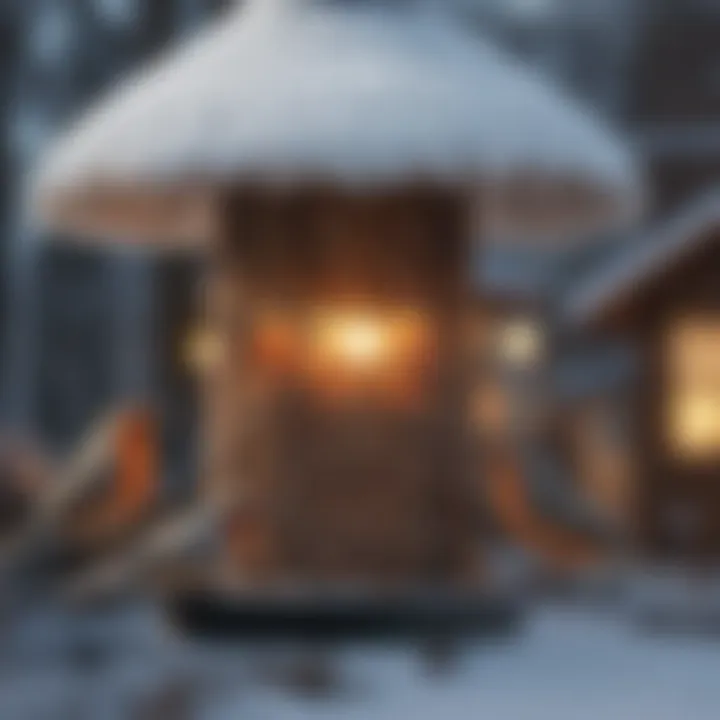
217	617
337	364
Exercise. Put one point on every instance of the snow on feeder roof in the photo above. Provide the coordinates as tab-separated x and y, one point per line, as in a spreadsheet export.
297	92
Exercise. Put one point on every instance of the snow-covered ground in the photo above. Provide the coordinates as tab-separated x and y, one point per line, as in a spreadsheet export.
579	665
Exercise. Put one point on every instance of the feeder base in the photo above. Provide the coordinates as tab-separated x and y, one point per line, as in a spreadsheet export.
222	617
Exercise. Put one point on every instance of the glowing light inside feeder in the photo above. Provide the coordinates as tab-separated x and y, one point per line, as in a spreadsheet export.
341	353
359	342
351	353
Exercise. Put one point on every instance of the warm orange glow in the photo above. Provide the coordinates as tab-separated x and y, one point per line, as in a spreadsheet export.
361	343
350	352
338	352
275	342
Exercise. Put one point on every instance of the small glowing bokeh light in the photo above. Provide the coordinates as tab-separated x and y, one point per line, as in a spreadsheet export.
521	343
202	349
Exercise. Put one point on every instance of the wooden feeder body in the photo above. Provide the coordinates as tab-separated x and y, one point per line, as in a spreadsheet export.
343	474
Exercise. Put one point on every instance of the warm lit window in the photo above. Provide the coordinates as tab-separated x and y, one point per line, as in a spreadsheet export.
694	391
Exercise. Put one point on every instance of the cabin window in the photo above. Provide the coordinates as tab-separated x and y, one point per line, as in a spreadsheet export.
693	410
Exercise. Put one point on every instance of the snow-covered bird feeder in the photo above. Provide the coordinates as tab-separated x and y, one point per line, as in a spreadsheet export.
338	163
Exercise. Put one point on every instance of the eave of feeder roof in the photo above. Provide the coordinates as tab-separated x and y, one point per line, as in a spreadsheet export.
287	93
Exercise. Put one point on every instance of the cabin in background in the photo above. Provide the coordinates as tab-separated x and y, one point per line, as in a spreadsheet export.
663	296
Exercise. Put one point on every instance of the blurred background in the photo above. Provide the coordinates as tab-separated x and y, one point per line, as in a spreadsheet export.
84	330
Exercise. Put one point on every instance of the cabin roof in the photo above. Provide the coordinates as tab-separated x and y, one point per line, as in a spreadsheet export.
638	266
298	91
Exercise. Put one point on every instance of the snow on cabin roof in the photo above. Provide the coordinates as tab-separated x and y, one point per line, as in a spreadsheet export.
295	91
645	260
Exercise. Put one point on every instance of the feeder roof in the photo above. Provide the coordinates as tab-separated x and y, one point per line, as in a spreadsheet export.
290	92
